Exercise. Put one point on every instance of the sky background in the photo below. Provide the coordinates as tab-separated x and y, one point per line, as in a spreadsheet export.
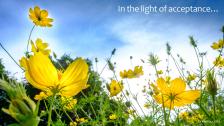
94	28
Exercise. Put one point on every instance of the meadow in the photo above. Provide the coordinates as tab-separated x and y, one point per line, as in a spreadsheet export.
67	91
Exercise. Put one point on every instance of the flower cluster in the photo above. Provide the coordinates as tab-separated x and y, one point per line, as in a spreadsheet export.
137	72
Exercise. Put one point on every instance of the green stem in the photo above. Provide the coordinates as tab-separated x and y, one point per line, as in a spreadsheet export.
28	42
49	115
11	56
164	111
50	112
214	109
91	106
68	116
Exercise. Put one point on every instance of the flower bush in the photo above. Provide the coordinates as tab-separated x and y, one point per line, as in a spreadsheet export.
66	91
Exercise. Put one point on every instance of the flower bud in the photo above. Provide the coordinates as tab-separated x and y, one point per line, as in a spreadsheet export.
211	83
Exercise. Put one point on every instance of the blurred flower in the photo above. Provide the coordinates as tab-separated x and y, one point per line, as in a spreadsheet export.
191	77
21	107
218	45
115	88
174	93
68	102
39	46
146	105
82	120
131	112
41	73
137	72
211	84
167	79
191	117
159	72
219	61
73	124
42	96
40	17
113	117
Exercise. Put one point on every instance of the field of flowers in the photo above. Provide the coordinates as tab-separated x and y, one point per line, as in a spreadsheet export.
65	91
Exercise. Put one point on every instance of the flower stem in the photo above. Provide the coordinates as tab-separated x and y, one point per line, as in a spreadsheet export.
28	42
11	56
214	109
50	112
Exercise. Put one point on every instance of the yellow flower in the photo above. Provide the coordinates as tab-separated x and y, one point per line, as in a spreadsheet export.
82	120
219	61
218	45
113	117
168	78
42	96
183	115
73	124
174	93
159	72
191	77
39	46
41	73
130	111
138	71
68	102
40	17
115	88
147	105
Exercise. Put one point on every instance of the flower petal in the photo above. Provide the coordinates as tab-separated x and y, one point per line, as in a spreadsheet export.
43	13
162	85
75	73
177	86
41	73
187	97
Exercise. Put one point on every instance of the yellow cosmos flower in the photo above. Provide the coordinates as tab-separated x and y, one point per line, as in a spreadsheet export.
39	46
126	74
68	102
73	124
113	117
137	72
219	61
191	77
159	72
174	93
218	45
41	73
42	96
82	120
40	17
115	88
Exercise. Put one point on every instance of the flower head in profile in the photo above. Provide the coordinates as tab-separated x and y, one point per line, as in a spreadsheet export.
115	88
218	45
42	74
113	117
40	17
40	46
126	74
42	95
137	72
174	93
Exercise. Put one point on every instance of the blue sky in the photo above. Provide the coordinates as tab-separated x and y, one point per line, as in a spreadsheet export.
93	28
